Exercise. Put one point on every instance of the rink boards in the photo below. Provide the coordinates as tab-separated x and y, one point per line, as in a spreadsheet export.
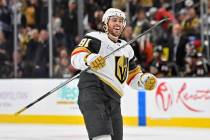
175	102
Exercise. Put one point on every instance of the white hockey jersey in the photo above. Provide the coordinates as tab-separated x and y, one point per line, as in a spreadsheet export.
116	71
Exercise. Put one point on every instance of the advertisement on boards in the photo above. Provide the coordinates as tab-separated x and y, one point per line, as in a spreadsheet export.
180	97
16	94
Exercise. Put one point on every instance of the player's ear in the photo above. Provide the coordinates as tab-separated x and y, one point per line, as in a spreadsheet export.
105	27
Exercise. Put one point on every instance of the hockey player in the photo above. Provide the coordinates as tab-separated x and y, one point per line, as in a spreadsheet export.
101	87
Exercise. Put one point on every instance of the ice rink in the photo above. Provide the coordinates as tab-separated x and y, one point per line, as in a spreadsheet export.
69	132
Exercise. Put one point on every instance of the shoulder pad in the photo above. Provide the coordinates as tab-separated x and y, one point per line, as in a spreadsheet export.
97	35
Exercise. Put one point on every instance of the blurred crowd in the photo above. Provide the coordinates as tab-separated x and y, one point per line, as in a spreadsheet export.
173	49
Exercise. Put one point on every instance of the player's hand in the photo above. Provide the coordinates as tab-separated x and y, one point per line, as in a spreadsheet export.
148	81
95	61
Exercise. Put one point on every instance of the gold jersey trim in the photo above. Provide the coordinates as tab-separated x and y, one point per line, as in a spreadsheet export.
133	73
80	49
112	86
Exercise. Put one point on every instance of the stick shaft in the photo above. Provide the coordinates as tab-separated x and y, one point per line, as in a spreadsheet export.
47	94
74	77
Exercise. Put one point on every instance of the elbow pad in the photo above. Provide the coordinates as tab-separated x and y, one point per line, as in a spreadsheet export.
78	60
135	82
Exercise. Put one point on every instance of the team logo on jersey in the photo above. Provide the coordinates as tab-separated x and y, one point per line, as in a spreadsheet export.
121	68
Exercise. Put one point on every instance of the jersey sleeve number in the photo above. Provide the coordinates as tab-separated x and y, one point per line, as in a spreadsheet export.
84	42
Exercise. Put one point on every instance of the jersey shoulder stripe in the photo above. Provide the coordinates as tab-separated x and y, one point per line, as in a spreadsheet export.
79	50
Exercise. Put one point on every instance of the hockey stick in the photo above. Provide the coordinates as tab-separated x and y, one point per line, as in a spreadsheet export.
74	77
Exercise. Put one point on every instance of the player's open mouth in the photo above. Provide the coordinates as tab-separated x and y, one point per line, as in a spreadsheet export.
117	29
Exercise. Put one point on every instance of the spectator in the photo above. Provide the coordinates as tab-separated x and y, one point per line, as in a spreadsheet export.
41	60
146	4
31	49
69	23
32	14
90	9
62	66
120	4
24	39
180	43
140	22
176	35
97	25
191	23
20	64
5	65
6	26
127	35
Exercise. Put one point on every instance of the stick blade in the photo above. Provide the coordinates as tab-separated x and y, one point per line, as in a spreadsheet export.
20	111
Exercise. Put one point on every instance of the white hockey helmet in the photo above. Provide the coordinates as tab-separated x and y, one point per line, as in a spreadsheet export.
113	12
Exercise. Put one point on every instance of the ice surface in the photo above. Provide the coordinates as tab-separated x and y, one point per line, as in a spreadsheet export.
69	132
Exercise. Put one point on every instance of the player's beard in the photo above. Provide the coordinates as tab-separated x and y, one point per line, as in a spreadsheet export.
114	34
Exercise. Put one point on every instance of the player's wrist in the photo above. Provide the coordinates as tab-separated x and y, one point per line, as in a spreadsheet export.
91	58
85	59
